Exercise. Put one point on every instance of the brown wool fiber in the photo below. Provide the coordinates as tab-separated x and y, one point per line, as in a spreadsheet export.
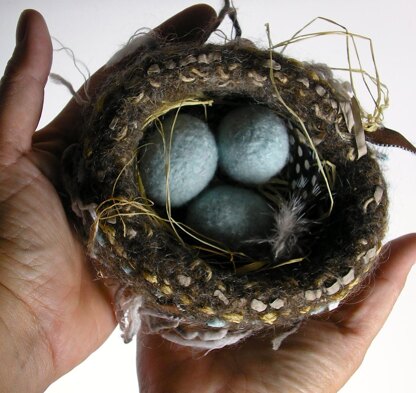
141	253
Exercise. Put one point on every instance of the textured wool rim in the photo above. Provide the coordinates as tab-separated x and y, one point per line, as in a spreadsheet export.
173	282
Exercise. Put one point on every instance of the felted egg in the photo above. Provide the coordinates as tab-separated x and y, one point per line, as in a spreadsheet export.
186	144
230	215
253	144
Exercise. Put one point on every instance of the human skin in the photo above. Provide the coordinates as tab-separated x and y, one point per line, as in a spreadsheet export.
319	358
54	314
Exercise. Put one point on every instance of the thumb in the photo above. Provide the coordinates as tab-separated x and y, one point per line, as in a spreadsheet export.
22	87
365	313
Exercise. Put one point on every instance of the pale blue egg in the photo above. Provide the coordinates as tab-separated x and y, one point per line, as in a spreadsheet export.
230	215
193	160
253	144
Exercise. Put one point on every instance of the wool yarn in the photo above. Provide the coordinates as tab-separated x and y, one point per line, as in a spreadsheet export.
185	282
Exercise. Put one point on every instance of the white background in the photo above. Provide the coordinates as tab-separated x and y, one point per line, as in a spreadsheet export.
96	29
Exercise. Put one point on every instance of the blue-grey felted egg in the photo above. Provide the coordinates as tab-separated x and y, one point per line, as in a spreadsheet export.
230	215
193	160
253	144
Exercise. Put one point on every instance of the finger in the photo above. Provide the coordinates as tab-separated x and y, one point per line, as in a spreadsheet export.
22	87
365	314
188	25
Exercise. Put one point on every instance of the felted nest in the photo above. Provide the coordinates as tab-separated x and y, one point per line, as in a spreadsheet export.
201	293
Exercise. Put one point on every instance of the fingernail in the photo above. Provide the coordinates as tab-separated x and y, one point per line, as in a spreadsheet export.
21	27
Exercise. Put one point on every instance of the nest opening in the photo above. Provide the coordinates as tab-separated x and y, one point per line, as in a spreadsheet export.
288	189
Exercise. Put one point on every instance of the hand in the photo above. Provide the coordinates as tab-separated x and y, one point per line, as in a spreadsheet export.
319	358
53	313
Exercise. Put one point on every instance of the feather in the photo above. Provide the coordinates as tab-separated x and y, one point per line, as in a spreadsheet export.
290	224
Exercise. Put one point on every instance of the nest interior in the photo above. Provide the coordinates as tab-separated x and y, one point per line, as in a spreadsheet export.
129	242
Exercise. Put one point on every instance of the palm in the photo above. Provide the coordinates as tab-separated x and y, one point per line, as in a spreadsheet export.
320	357
45	281
306	362
46	289
48	258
